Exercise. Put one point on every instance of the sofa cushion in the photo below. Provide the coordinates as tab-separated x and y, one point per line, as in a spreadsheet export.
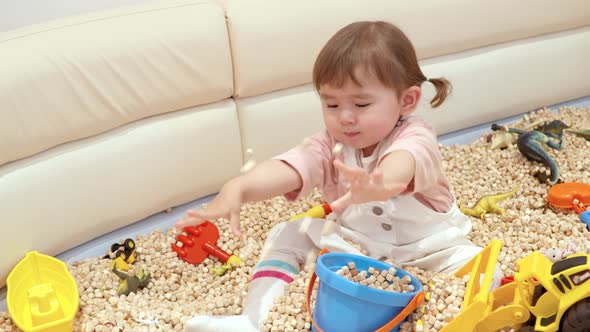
81	76
274	43
489	84
70	194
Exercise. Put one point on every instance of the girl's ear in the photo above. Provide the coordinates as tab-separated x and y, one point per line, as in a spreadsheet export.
409	99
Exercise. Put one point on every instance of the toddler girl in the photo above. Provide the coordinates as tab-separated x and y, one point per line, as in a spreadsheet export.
385	180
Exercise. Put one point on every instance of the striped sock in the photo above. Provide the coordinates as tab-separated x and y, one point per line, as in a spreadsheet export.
269	281
275	268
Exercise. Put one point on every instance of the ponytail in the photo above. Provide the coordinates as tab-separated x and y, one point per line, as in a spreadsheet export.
443	89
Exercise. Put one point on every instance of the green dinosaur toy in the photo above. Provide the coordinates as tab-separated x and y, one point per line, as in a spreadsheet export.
531	144
487	204
555	127
585	133
131	283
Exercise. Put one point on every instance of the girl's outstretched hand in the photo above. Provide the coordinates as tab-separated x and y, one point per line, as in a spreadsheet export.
225	205
364	187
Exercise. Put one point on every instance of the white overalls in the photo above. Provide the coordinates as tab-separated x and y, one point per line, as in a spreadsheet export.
401	229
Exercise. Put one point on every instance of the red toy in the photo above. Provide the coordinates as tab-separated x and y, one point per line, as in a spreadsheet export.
200	243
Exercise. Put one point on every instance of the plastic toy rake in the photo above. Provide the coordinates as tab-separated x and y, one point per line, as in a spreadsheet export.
571	195
200	243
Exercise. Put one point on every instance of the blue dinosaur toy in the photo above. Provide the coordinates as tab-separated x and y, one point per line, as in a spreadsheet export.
530	144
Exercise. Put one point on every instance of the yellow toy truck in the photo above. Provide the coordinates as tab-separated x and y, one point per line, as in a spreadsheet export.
544	296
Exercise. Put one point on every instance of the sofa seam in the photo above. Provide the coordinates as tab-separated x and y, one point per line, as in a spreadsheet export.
234	96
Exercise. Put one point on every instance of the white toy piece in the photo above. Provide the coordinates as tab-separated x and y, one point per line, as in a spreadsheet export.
337	149
556	254
502	140
250	162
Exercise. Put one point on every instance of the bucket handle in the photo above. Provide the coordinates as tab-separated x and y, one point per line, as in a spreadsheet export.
416	301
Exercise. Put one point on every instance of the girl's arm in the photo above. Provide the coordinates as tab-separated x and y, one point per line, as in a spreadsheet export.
398	168
268	179
295	172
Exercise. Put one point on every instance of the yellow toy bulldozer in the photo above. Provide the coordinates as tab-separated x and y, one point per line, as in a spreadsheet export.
544	296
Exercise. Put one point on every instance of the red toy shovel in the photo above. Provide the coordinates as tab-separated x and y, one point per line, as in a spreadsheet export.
200	243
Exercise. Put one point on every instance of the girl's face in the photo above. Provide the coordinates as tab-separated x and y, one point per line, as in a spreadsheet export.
362	115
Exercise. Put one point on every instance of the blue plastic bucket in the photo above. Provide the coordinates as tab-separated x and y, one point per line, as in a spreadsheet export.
345	306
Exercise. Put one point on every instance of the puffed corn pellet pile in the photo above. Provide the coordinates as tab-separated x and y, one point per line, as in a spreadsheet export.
179	290
375	278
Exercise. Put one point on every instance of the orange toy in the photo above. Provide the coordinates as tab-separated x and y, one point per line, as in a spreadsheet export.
565	195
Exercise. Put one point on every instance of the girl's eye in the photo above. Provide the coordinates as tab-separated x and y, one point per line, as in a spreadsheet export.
331	106
362	105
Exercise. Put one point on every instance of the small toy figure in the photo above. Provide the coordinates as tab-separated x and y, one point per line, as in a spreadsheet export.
129	282
530	144
487	204
585	133
555	127
122	254
556	254
501	139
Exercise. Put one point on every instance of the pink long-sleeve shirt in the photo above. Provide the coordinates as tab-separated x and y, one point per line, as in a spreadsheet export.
313	162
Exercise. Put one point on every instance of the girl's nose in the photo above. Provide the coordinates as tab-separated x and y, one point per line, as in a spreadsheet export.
347	116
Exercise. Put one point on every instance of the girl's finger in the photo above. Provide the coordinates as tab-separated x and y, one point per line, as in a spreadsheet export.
339	165
357	174
187	221
205	214
193	218
234	222
377	177
180	224
363	176
339	205
194	213
358	185
345	170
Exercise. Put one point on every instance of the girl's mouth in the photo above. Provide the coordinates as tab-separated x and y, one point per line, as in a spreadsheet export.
352	134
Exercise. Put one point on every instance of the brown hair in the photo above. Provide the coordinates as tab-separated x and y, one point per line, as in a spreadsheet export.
383	50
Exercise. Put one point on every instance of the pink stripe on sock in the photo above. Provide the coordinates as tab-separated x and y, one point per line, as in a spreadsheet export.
273	274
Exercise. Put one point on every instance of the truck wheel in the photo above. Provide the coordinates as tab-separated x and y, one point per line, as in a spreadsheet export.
129	244
577	317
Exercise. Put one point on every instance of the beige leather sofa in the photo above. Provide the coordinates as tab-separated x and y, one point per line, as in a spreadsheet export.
110	117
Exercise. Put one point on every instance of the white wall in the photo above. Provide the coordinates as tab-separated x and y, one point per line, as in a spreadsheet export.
18	13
